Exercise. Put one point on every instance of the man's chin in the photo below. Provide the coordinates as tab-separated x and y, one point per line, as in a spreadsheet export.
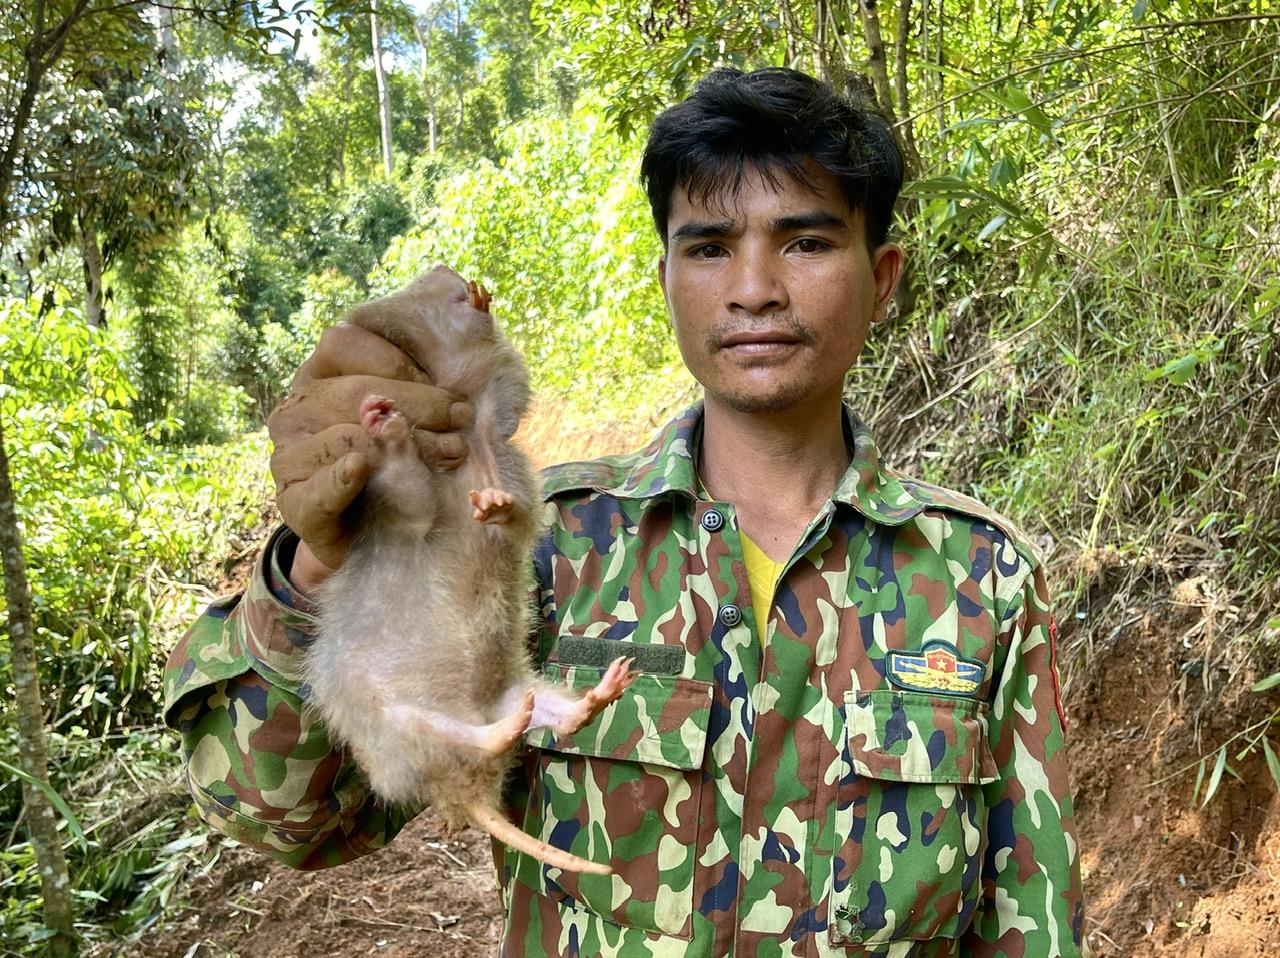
760	403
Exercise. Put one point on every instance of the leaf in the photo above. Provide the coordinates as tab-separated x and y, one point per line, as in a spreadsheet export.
1177	371
1195	789
951	186
55	800
1273	763
1270	682
1215	778
992	226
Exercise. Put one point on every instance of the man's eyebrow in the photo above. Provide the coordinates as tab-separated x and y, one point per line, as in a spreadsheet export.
818	219
704	230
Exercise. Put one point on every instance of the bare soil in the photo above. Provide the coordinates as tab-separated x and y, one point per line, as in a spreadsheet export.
1163	875
421	895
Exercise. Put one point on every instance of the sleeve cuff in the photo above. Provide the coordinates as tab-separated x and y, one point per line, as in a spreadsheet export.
279	621
278	558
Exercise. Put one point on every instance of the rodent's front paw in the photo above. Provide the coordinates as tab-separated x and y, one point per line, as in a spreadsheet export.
492	506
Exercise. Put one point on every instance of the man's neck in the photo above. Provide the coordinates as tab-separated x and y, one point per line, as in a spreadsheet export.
777	468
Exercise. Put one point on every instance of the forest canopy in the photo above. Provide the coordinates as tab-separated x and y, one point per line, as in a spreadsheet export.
191	193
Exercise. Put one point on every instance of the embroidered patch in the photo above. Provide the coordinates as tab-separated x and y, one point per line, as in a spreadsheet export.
936	668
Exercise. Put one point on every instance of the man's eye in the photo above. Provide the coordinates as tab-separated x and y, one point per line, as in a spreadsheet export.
706	251
808	244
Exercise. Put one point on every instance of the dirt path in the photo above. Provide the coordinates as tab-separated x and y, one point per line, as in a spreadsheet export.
422	895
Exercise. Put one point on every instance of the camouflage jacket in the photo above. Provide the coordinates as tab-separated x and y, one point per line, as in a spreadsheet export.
883	775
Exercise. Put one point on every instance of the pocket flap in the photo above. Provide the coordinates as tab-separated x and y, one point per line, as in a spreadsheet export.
916	737
660	719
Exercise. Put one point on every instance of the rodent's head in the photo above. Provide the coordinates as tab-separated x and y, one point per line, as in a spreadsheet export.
439	319
450	310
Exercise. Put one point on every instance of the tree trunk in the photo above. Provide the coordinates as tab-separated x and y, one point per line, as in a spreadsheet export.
791	28
940	110
91	255
900	49
167	39
384	94
33	754
876	61
821	51
424	41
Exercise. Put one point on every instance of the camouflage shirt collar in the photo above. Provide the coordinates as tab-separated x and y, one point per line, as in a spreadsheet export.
667	465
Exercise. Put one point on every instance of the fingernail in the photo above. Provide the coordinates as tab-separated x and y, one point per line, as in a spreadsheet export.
461	415
450	447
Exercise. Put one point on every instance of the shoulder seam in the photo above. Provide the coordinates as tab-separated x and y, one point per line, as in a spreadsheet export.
968	506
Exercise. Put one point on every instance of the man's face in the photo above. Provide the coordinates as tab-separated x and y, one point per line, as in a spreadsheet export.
771	292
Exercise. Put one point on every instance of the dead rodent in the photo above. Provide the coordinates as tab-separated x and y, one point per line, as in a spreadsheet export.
420	664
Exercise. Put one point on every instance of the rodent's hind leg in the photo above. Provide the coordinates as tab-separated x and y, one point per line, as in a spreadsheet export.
557	708
496	738
402	486
493	506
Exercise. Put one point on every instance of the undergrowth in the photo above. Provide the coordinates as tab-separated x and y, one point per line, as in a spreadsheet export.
1110	380
120	536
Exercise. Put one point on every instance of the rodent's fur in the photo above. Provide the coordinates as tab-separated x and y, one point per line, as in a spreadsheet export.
421	646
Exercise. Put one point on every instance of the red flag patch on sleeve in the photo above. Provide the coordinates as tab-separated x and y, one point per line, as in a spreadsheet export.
1053	668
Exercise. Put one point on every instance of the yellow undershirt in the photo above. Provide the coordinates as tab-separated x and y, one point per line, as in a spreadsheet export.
762	575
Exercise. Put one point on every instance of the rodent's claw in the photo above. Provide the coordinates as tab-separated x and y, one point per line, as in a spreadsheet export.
616	679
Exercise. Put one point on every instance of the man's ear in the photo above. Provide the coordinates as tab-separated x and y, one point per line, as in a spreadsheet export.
662	282
886	267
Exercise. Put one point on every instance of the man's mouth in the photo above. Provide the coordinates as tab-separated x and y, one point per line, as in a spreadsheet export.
761	342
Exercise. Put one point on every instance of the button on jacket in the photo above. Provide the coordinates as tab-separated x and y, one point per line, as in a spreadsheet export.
878	769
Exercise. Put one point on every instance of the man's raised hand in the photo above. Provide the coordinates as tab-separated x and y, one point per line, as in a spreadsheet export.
322	454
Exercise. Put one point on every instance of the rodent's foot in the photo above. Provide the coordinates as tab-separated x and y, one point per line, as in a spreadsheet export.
502	736
492	505
617	677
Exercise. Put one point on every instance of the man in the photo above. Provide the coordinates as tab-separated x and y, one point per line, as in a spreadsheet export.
846	738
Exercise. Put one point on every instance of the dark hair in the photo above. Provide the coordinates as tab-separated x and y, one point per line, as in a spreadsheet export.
773	119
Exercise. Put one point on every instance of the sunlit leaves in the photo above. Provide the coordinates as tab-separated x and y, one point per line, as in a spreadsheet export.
562	235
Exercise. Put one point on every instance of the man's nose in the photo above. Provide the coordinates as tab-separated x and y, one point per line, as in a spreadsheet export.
756	285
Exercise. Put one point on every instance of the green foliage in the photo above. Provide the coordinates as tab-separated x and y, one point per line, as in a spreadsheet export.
642	57
111	523
116	532
1093	348
137	847
561	234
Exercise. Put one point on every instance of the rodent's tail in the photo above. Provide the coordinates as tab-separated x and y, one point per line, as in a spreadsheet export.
489	820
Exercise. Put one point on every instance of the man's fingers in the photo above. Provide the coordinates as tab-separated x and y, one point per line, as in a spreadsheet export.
312	507
319	404
440	450
318	501
346	350
301	458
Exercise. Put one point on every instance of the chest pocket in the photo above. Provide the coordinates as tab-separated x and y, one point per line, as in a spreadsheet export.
910	816
626	790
